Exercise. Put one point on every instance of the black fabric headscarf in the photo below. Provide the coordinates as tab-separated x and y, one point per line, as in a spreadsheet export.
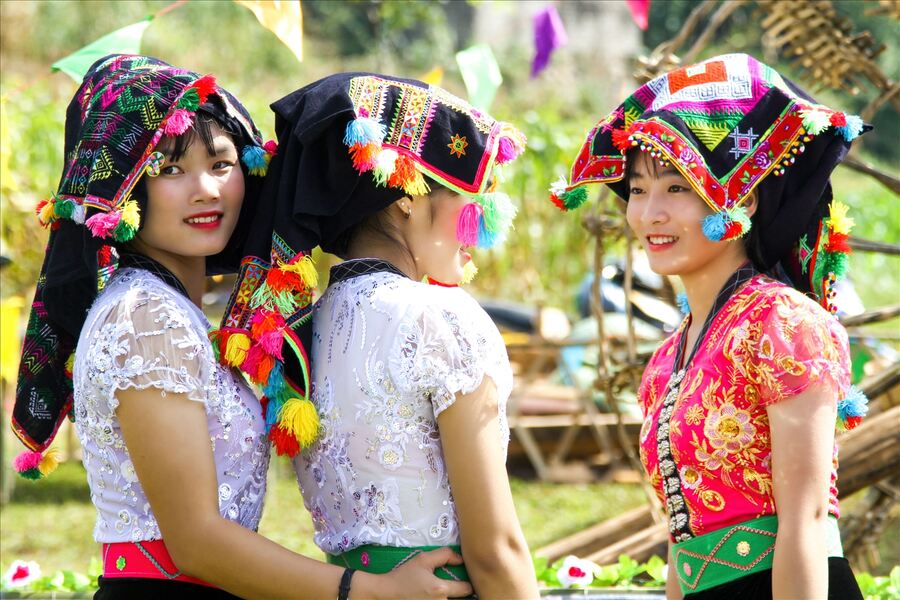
121	111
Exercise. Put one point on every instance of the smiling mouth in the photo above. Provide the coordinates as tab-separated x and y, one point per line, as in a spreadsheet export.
205	221
661	240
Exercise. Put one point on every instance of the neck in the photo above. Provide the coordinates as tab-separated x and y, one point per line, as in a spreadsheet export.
703	286
190	270
366	246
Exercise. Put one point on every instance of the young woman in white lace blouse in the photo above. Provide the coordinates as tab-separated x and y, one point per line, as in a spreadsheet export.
174	443
409	377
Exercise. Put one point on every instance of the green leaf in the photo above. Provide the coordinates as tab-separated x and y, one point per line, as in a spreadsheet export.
654	568
126	40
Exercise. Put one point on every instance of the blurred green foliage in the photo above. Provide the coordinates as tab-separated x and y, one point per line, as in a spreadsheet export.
548	253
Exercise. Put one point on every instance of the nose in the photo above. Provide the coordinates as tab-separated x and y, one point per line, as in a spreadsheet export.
207	188
656	210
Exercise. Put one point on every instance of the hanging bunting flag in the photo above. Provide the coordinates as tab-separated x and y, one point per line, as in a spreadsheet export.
433	77
640	11
126	40
284	18
549	34
481	74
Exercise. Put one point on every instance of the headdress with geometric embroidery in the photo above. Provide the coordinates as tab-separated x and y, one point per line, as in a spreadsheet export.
349	145
125	105
729	125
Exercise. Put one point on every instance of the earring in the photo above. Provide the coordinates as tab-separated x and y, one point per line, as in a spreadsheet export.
407	212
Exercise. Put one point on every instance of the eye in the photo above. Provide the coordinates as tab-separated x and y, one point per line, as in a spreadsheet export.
170	170
634	191
221	165
675	188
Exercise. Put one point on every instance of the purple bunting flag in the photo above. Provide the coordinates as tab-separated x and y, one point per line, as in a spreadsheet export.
549	34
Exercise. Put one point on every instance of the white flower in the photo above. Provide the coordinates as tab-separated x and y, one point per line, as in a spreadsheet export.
127	471
21	573
575	571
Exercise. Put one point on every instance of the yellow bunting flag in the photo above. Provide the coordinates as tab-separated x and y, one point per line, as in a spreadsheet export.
283	18
434	76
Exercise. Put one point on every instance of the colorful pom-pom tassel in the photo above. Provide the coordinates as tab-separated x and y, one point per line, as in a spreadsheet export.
404	170
275	386
364	131
385	163
271	147
123	231
835	262
815	121
364	156
467	224
131	213
190	100
416	185
715	226
299	417
838	220
237	345
511	145
851	129
305	268
620	139
852	408
63	209
256	160
681	300
574	198
34	465
205	86
283	441
102	224
469	273
46	211
178	122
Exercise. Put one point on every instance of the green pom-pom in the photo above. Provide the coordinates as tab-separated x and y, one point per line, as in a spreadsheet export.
499	211
64	209
739	215
33	474
123	232
190	100
835	262
574	197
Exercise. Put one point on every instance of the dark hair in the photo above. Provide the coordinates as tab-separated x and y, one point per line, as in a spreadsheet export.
176	146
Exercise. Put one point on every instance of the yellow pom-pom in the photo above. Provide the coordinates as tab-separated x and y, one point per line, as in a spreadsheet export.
305	268
131	214
416	185
299	417
70	363
469	273
50	461
838	221
47	213
236	349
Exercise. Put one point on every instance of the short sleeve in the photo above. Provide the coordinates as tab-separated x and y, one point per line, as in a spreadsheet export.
799	345
147	340
440	355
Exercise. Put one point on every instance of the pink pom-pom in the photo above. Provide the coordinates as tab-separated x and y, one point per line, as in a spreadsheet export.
506	150
467	225
27	461
271	147
102	224
272	342
178	122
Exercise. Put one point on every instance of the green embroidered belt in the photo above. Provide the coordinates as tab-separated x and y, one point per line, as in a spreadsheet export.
383	559
708	560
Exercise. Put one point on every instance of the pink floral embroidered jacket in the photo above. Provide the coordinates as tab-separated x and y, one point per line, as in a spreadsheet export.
768	343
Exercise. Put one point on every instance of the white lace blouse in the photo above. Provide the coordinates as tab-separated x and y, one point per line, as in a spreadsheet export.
141	333
388	356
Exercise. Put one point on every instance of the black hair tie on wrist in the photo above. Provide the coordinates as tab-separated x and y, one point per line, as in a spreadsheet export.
344	589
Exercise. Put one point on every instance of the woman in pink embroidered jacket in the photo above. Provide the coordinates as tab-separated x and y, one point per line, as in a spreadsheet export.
724	166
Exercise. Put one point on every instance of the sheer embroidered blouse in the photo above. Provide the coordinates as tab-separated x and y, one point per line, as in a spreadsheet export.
141	333
388	356
768	343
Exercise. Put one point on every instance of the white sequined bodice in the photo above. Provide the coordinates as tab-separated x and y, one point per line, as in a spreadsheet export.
388	356
141	333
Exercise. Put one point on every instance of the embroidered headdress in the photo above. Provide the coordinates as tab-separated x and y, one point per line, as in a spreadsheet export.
731	124
121	111
349	146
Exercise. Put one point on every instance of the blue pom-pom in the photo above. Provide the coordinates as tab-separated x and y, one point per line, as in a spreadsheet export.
254	157
855	404
682	301
275	385
715	226
852	129
364	131
272	410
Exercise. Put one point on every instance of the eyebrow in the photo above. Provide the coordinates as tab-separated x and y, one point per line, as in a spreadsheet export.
224	148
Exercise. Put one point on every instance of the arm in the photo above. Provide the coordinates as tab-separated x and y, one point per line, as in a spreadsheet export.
802	429
673	590
493	546
168	442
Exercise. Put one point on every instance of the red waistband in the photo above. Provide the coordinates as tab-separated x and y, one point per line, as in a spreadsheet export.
147	560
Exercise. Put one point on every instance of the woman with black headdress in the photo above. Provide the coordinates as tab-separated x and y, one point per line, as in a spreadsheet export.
159	188
740	403
397	424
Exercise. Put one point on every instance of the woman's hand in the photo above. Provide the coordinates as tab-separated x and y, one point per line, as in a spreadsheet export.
414	580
